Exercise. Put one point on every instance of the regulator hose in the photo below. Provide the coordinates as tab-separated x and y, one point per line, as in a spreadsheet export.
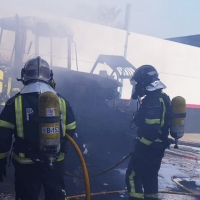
110	168
104	171
87	180
84	167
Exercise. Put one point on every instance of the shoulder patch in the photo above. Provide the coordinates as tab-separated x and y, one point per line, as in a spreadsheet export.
153	103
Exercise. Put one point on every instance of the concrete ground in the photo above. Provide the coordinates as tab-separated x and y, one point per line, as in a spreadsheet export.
7	187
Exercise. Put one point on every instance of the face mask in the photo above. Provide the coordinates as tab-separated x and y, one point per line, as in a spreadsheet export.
138	91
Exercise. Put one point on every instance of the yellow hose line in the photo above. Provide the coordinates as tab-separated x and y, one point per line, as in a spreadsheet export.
87	181
85	171
97	193
123	191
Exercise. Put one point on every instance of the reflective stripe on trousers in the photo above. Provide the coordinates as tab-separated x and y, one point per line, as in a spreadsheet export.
151	196
133	192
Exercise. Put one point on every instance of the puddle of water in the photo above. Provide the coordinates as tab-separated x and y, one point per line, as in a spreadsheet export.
190	184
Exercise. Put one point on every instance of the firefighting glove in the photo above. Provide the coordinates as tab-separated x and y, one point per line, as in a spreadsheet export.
3	163
167	142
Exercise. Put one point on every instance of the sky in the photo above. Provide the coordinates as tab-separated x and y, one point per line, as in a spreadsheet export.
157	18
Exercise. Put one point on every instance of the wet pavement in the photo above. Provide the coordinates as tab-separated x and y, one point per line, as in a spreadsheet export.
9	193
114	180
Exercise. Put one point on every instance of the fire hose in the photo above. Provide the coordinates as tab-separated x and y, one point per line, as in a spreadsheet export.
85	171
123	191
104	171
87	181
183	187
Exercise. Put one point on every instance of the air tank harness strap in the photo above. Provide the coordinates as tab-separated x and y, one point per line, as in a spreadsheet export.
26	149
40	119
178	115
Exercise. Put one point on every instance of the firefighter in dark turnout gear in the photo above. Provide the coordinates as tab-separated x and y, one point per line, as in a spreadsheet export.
31	167
152	122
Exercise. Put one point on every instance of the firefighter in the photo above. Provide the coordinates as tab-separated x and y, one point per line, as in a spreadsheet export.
19	118
152	121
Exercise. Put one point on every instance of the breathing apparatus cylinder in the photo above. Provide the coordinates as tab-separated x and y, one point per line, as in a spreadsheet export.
49	128
178	115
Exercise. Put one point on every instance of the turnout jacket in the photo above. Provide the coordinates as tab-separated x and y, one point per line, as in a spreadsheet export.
153	118
15	121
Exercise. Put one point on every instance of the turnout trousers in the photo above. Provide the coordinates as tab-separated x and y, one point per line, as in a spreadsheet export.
30	177
142	175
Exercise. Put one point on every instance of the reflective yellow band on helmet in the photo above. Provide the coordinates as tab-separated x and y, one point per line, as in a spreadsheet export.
3	155
155	196
19	117
5	124
71	126
145	141
132	192
163	114
152	121
63	114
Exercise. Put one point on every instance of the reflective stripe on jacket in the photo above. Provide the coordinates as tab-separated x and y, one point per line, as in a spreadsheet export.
153	117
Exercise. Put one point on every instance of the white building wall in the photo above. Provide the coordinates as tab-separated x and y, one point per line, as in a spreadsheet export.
177	64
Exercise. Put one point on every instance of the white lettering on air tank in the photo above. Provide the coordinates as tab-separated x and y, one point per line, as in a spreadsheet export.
50	130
